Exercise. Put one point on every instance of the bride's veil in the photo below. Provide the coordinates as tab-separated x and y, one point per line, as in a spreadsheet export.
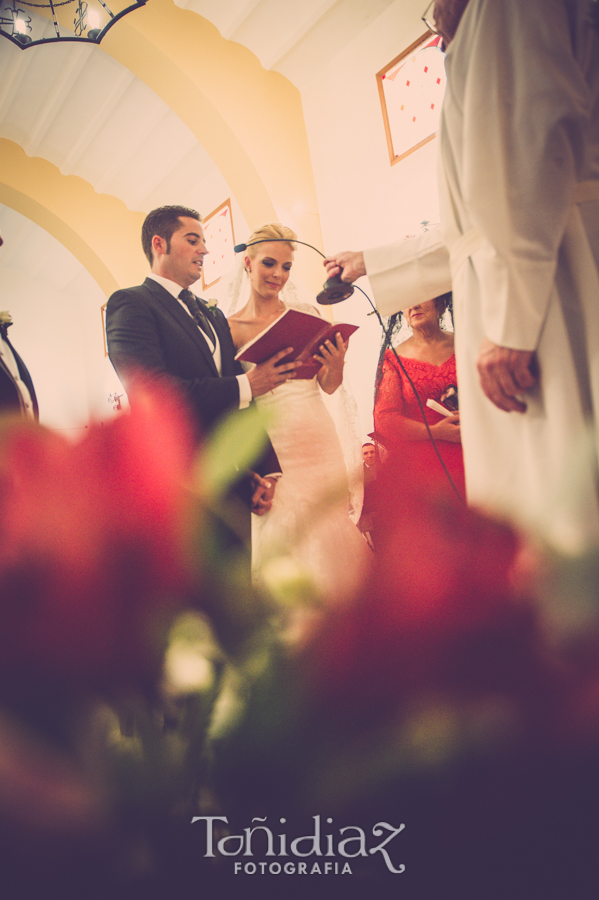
234	290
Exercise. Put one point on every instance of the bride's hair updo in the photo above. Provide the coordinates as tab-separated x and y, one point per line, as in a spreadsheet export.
274	231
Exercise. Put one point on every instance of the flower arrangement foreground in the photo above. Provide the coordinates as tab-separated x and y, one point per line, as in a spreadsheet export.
153	706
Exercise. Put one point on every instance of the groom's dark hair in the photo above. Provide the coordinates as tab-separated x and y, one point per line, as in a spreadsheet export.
164	221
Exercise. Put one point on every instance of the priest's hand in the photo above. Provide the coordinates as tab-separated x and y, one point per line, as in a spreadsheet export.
505	374
349	264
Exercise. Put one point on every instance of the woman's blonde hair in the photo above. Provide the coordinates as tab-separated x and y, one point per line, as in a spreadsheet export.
274	231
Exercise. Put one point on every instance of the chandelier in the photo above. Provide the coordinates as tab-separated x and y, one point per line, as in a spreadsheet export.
29	24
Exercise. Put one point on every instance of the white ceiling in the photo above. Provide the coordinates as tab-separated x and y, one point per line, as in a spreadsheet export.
33	252
84	112
291	37
81	110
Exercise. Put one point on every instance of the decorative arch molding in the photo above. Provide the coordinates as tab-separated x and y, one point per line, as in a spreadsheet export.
248	119
97	229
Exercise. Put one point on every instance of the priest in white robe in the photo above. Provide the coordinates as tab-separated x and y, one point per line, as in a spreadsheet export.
519	244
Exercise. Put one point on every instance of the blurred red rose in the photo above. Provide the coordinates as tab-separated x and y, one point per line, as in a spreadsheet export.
438	612
92	544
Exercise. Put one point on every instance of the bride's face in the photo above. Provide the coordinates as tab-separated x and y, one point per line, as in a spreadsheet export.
269	268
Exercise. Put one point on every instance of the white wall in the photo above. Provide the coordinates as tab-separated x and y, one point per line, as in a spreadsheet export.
57	326
363	200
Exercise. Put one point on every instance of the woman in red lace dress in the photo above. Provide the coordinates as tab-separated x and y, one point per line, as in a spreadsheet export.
428	357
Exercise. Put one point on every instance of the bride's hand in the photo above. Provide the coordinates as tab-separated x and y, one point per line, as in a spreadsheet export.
331	358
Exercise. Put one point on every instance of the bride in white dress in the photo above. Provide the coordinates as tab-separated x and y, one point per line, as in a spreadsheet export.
309	520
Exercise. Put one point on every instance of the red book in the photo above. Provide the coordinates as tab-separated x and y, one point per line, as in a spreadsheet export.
302	331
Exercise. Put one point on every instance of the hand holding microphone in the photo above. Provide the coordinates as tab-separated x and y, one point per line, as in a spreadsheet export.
348	264
337	287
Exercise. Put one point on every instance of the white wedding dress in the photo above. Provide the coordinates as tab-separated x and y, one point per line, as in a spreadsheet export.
309	522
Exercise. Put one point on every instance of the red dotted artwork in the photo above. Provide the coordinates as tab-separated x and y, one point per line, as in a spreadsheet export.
218	231
413	90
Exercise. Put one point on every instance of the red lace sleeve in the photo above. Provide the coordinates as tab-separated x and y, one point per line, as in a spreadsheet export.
396	401
390	401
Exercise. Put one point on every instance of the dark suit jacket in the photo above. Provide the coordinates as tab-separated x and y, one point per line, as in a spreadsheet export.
148	329
9	393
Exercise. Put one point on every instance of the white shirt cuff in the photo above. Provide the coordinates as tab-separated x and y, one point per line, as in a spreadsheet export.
245	391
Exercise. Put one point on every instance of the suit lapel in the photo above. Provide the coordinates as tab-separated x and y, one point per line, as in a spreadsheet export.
172	306
5	369
227	350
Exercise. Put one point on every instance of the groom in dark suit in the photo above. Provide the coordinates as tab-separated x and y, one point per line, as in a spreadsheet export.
161	329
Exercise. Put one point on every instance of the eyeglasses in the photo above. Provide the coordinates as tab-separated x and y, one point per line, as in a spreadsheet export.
429	17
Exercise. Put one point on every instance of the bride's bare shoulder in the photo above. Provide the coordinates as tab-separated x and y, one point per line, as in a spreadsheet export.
243	328
241	315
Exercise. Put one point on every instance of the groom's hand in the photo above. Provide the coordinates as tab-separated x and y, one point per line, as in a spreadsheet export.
268	375
264	492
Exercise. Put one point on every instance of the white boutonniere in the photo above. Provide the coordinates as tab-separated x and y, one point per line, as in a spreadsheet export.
5	318
212	304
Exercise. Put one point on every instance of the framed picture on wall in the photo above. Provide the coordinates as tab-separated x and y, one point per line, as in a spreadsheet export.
103	313
411	90
218	231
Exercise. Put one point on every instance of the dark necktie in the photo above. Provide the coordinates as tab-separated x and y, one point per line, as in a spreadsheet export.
199	316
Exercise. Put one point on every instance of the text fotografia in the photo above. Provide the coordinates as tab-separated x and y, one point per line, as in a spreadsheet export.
315	853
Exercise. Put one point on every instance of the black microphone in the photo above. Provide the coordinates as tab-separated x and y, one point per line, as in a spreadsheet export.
334	290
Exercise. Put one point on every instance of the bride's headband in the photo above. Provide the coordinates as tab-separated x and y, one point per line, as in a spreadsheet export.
334	290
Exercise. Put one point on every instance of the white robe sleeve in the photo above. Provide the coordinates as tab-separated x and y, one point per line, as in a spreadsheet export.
408	272
514	133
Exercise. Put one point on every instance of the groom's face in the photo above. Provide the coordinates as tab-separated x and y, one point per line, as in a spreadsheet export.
182	263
